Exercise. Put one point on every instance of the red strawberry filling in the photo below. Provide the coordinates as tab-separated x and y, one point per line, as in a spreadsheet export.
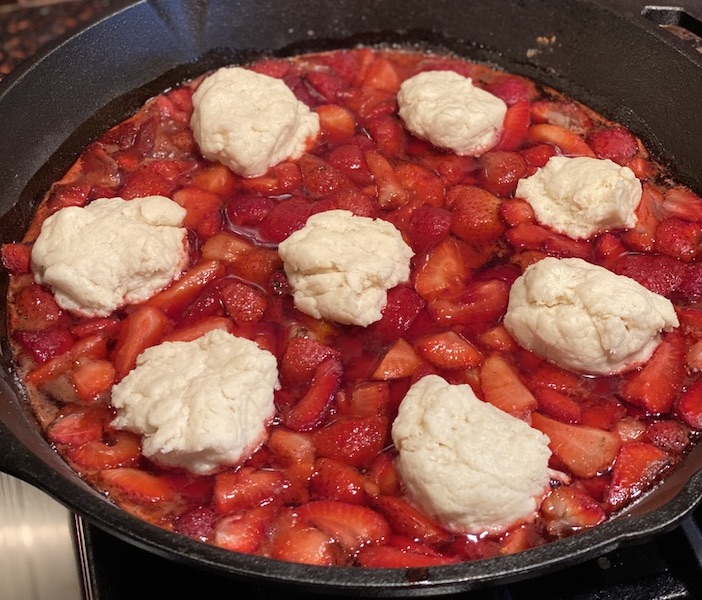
324	488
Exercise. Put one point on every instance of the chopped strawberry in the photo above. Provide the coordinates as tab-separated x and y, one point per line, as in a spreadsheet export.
16	258
390	557
92	378
689	405
655	385
247	209
366	399
683	203
247	488
448	350
94	346
407	520
202	210
502	387
388	133
608	249
336	122
215	178
615	143
425	188
516	211
349	159
245	531
478	308
286	217
196	328
400	360
197	523
657	272
679	239
105	326
119	449
85	424
441	271
383	473
670	436
429	225
46	344
145	327
538	155
135	484
567	141
355	441
302	357
603	413
640	238
225	247
380	74
35	308
476	214
294	450
529	236
586	451
515	126
391	194
302	543
547	375
402	307
243	302
283	178
512	89
691	284
500	172
311	410
334	480
498	338
638	466
569	509
259	267
326	83
558	405
566	114
319	177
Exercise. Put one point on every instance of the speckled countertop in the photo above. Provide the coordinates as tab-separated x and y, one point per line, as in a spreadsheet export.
26	25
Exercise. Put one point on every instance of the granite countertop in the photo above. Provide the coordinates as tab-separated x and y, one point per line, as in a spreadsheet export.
28	25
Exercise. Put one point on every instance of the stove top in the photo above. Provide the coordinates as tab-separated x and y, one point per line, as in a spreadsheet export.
668	567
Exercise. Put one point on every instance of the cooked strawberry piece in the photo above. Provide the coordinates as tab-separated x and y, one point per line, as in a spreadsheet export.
226	247
691	285
137	485
515	127
259	267
118	449
694	356
608	249
197	523
202	210
641	237
92	378
568	509
586	451
390	557
478	308
383	473
400	360
336	122
272	67
565	114
243	302
502	387
538	155
145	182
637	467
215	178
683	203
615	143
558	405
429	225
311	410
501	171
319	177
354	201
451	168
302	357
105	326
391	194
380	74
281	179
567	141
286	217
402	307
441	271
448	350
46	344
85	424
670	436
294	451
187	331
35	308
516	211
513	89
603	413
334	480
476	214
365	399
529	236
326	83
355	441
246	531
423	187
145	327
659	273
176	297
547	375
301	543
248	488
349	159
407	520
68	195
689	406
690	318
498	338
16	258
248	209
94	346
388	133
655	385
679	239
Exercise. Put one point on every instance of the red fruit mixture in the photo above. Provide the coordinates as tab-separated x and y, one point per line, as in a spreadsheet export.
324	489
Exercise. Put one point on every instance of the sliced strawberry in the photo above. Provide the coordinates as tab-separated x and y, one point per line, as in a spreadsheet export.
678	238
295	452
383	473
423	186
390	557
196	328
319	177
225	247
659	273
305	544
567	141
311	410
46	344
244	303
105	326
448	350
302	357
402	308
400	360
670	436
655	386
640	238
502	387
245	531
366	399
92	378
336	122
683	203
537	156
36	308
586	451
500	172
638	466
615	143
608	249
145	327
441	271
498	338
529	236
202	210
689	405
259	267
349	159
603	413
355	441
326	83
380	74
478	308
476	214
85	424
558	405
16	258
563	113
515	126
388	133
247	488
513	89
137	485
390	192
197	523
568	509
547	375
286	217
120	449
429	225
517	211
215	178
407	520
334	480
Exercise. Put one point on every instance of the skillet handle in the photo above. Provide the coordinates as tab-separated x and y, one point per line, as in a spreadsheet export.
17	460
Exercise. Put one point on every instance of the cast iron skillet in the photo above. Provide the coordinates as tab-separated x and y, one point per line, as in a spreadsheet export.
610	58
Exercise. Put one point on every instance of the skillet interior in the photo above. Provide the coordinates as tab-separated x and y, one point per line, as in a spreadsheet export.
619	67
